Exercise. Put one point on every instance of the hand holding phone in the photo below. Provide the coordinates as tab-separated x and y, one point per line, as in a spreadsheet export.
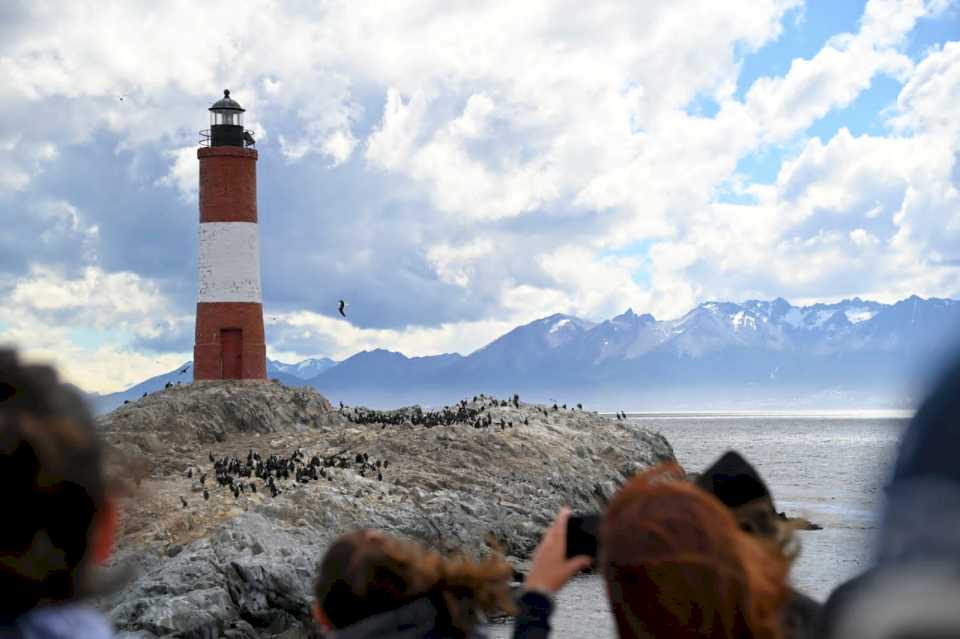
550	568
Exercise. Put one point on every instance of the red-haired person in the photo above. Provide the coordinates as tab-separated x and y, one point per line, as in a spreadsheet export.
372	585
676	565
59	520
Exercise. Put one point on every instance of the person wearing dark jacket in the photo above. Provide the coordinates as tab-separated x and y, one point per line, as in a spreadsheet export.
913	586
60	520
370	585
737	484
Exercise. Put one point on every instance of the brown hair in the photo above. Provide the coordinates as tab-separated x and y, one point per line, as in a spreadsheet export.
365	573
53	485
676	565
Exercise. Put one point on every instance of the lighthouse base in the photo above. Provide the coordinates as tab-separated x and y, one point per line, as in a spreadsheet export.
230	341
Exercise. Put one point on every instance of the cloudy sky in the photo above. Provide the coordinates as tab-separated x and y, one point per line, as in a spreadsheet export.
453	169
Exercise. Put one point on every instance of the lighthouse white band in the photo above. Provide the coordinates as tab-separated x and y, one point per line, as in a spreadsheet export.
229	262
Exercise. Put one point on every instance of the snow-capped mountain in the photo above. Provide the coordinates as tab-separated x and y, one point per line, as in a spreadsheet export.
304	369
854	353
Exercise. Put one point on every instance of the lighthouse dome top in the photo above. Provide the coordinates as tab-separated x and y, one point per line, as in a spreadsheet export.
226	103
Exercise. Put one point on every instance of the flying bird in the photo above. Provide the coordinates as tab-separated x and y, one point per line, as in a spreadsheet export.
184	370
248	139
342	308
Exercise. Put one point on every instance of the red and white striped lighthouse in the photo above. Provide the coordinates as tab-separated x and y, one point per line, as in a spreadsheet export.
229	337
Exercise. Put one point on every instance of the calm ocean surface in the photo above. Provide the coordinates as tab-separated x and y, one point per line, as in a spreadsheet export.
828	467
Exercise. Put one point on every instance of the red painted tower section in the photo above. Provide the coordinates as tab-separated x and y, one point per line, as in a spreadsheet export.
229	331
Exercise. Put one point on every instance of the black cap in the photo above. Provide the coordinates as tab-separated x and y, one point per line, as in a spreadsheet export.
733	481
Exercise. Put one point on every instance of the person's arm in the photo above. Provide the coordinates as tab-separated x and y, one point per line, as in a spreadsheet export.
549	572
533	615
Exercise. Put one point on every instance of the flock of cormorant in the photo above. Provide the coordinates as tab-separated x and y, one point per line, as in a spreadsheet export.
239	475
464	413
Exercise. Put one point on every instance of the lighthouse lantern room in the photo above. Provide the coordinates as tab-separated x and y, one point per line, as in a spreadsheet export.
226	122
229	340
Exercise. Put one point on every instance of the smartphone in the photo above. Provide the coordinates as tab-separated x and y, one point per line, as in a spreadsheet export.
582	533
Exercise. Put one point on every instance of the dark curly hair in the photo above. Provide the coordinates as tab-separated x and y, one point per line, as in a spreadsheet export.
51	473
365	573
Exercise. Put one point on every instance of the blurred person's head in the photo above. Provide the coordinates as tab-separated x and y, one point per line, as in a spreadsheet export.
912	587
676	564
922	511
738	485
59	520
366	573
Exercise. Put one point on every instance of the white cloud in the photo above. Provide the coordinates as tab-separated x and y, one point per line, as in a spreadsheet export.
184	173
862	238
391	144
455	264
99	295
837	74
84	326
339	146
928	102
535	145
412	341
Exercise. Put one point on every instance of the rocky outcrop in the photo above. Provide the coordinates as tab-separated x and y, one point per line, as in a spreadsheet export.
241	565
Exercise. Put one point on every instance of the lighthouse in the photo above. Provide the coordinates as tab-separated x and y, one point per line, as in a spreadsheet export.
229	340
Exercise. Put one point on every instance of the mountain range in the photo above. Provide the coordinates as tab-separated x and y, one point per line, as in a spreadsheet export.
755	354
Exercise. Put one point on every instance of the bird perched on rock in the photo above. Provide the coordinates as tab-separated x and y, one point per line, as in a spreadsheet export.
206	494
342	308
183	502
184	371
189	473
203	478
579	406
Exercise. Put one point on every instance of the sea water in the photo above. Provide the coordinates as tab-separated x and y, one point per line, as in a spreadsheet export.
829	467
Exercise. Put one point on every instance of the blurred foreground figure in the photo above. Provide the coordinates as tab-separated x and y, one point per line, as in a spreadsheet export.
677	565
737	484
913	590
373	586
59	520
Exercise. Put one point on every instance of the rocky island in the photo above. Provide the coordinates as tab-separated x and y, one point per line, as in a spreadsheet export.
221	551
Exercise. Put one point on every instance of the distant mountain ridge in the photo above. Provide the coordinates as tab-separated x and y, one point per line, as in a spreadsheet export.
304	369
720	354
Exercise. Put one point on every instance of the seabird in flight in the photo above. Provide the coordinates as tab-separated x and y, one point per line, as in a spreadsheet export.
342	308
